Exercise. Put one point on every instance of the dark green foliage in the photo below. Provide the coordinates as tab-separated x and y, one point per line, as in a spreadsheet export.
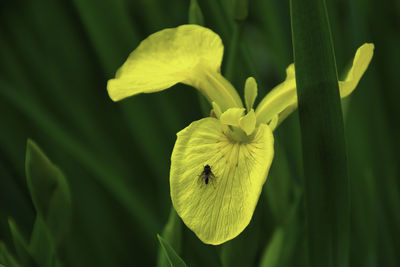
195	13
173	258
55	60
49	191
326	191
172	234
51	197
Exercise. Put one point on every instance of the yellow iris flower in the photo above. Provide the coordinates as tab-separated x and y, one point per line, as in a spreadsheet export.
237	143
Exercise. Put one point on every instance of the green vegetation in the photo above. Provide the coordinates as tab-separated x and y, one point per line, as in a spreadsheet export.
92	189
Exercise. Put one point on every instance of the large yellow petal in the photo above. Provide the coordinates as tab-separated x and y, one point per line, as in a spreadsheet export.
166	58
282	100
188	54
220	210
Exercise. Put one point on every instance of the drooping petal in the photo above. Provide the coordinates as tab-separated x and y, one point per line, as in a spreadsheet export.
188	54
282	100
220	210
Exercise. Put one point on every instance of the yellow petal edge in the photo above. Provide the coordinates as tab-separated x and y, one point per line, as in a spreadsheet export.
188	54
282	100
220	210
360	64
166	58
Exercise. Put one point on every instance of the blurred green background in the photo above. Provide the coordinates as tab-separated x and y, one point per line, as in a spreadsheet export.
55	59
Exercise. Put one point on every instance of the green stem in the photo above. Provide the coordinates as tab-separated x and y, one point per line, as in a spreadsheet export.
324	156
233	50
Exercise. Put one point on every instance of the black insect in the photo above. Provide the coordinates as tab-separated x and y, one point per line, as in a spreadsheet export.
207	174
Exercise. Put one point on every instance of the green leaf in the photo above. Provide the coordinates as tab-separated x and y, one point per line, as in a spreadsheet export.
173	258
273	251
285	242
195	14
6	258
241	9
242	250
232	51
172	233
236	9
20	244
41	246
278	192
49	190
324	155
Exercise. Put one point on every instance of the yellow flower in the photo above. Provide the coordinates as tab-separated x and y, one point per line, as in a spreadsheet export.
237	143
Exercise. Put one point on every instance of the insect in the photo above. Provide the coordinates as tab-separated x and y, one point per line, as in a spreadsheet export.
207	174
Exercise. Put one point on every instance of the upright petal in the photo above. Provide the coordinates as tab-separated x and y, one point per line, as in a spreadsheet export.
360	64
188	54
248	122
282	100
232	116
278	99
250	92
220	210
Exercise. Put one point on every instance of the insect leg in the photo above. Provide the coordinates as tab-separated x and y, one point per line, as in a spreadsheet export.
212	179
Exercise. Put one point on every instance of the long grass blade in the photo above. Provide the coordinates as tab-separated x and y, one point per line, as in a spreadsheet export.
324	155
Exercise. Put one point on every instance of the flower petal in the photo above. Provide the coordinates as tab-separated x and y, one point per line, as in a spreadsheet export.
232	116
248	122
360	64
250	92
217	109
279	98
282	100
188	54
220	210
166	58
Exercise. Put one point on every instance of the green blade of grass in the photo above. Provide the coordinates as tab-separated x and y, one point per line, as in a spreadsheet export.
6	258
195	15
172	233
324	155
233	50
173	258
114	42
100	169
20	244
272	15
40	245
49	190
242	250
